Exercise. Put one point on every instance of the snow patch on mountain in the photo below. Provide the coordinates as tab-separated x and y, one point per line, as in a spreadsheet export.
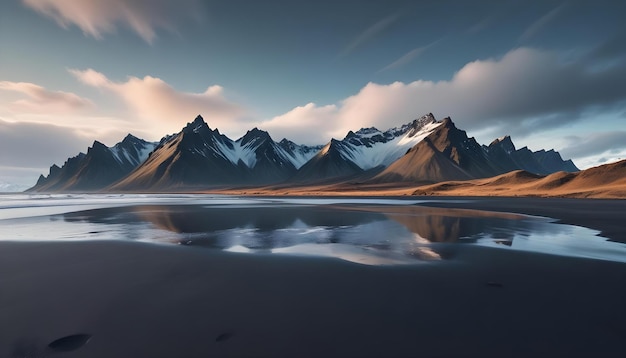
123	156
247	149
132	150
298	155
245	153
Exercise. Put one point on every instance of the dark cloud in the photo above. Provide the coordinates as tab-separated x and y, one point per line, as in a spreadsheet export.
614	48
35	145
530	91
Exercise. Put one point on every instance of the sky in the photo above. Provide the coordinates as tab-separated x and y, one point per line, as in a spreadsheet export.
552	74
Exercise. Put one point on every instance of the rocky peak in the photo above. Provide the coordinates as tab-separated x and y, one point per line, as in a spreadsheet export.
97	146
367	131
255	135
196	126
412	127
131	139
503	142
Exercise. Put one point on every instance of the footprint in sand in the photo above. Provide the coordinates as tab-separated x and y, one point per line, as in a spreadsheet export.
69	343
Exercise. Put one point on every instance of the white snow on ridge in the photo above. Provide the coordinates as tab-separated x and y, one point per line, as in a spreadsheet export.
372	153
299	157
116	154
144	152
246	153
385	153
122	156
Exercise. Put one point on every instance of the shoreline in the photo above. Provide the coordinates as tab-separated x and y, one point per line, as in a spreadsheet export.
137	299
602	214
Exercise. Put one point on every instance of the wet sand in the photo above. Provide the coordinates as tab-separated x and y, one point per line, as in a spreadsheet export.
146	300
605	215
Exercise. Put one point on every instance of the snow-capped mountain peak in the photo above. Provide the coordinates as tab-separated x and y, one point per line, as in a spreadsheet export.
252	148
367	132
414	126
254	135
199	156
369	147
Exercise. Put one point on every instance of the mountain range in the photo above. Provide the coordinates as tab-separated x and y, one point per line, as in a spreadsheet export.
423	151
97	169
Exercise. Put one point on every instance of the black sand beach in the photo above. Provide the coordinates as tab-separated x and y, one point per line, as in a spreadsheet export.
147	300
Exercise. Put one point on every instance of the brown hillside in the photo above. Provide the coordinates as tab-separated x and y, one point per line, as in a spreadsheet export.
423	163
605	181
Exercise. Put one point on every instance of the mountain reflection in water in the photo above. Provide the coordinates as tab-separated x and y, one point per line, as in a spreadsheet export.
370	234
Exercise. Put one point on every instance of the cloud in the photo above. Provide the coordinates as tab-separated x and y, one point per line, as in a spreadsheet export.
308	124
523	92
152	98
599	159
369	34
41	100
408	57
29	148
595	143
610	50
35	145
96	17
540	23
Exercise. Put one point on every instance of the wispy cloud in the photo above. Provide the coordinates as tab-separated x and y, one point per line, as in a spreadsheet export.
499	10
40	99
408	57
540	23
152	98
369	34
96	17
481	25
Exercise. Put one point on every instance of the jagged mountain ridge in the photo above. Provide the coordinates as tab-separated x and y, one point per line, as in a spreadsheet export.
447	153
367	149
98	168
199	156
424	150
540	162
